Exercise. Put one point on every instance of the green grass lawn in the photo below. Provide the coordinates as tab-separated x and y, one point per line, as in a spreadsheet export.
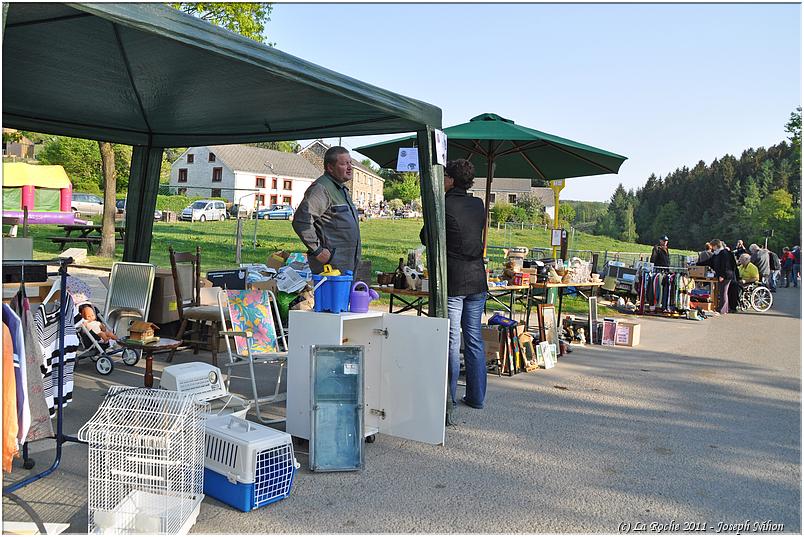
384	241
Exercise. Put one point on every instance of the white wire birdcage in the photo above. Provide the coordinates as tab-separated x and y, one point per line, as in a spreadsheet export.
146	462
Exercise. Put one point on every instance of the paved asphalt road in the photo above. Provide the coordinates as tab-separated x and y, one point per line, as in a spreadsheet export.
699	425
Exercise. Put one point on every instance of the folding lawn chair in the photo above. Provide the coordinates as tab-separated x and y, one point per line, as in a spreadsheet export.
251	336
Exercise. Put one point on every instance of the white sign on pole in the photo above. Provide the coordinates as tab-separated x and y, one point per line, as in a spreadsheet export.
441	147
408	159
555	237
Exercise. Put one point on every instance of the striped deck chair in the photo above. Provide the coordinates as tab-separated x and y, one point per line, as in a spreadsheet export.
250	321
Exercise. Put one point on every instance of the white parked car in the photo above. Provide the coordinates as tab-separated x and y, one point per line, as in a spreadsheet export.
203	210
86	204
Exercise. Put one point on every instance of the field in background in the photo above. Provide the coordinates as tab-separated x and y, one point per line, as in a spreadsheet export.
384	241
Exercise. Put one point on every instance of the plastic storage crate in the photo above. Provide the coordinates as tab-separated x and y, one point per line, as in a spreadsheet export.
247	465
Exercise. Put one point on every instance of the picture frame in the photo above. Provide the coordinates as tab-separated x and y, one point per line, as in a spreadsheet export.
593	320
548	324
548	358
609	331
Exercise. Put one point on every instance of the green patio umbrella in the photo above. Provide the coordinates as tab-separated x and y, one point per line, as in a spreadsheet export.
506	149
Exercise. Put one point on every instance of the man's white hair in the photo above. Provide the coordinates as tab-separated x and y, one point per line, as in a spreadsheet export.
753	248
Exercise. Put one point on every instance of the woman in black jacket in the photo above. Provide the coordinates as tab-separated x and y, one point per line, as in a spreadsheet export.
466	281
725	267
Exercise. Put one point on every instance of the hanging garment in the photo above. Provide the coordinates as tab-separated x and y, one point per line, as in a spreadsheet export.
10	424
41	426
12	320
47	334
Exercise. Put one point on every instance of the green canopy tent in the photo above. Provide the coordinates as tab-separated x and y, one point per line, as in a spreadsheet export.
506	149
153	77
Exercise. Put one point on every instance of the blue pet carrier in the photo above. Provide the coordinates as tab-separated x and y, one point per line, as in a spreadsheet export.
247	465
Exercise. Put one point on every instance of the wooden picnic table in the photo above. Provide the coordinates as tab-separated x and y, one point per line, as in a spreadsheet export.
417	300
546	286
90	234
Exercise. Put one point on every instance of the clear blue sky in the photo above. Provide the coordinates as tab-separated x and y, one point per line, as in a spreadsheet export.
666	85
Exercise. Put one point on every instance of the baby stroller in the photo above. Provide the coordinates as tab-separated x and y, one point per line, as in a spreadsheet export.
90	346
755	295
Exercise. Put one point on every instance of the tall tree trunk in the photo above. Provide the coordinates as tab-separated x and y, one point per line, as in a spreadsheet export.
107	246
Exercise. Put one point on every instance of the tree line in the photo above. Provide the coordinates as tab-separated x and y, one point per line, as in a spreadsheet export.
729	199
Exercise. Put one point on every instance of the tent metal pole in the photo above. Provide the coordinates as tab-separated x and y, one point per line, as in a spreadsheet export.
143	186
435	237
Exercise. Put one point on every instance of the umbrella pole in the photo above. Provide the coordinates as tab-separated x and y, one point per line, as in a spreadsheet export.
489	176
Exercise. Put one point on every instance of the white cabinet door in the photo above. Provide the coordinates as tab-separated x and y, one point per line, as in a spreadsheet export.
413	390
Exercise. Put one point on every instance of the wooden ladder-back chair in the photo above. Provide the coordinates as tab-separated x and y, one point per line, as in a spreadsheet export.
186	268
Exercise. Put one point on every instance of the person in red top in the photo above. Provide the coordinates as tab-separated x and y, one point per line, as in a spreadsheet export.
788	260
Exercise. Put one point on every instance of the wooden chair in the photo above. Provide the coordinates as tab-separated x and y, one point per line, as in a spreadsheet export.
186	268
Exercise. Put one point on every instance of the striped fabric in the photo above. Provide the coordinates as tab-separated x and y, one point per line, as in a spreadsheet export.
47	335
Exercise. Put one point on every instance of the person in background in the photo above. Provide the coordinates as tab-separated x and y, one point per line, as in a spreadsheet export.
739	249
788	259
724	265
705	254
660	256
465	218
326	220
747	270
776	268
796	264
760	258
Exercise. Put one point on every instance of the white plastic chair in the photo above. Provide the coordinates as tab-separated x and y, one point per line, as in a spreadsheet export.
250	320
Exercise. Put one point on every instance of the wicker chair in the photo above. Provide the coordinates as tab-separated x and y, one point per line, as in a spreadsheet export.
186	268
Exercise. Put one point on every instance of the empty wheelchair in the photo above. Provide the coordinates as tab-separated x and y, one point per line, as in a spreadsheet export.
755	296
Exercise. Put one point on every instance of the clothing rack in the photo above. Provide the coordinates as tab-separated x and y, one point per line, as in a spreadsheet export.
60	437
642	272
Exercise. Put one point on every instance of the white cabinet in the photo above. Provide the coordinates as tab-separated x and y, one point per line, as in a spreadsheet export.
405	370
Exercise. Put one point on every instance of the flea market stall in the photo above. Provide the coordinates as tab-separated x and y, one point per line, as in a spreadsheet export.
120	74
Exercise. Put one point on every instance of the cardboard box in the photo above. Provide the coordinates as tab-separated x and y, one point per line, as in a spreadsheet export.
163	283
277	259
697	272
491	338
705	306
163	309
209	296
627	334
266	285
305	302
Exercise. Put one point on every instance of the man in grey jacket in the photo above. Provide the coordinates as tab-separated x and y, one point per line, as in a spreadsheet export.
760	258
326	220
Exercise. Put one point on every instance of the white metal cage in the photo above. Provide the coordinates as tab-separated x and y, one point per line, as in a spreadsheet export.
146	462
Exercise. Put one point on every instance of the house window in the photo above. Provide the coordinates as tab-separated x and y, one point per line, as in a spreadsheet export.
212	157
190	158
260	200
273	200
287	185
182	175
216	193
217	174
286	199
182	192
273	183
260	182
511	198
492	197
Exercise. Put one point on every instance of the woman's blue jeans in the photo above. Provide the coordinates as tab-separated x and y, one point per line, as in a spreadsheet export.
466	312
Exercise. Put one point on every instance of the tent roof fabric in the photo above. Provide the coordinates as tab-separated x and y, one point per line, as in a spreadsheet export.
147	74
257	160
16	174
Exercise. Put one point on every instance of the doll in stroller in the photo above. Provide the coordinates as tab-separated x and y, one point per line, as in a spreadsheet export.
97	340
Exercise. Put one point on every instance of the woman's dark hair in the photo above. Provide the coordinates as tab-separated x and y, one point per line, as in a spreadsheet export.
462	172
